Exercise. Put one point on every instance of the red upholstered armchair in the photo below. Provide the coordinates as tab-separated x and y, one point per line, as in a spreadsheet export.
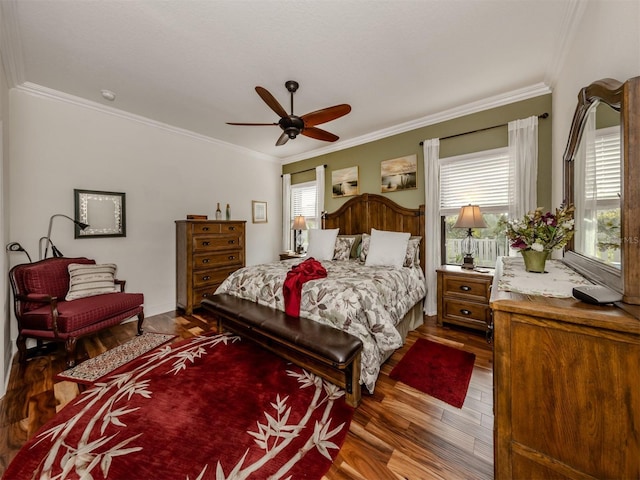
43	313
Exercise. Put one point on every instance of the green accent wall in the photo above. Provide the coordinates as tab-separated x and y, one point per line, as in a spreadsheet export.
367	157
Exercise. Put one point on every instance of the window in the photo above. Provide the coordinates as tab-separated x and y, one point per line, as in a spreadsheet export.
480	178
603	195
303	202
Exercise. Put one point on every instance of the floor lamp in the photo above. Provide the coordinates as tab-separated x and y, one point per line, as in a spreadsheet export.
55	252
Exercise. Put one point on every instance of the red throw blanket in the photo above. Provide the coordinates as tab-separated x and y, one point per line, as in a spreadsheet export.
310	269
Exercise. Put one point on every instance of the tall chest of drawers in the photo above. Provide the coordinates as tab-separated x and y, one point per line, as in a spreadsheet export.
207	252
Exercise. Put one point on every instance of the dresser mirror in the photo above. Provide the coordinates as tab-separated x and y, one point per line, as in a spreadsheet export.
602	180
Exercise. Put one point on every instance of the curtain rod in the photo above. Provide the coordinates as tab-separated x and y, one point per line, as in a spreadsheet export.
543	116
307	170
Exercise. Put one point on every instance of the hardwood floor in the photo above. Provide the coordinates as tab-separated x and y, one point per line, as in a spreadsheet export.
396	433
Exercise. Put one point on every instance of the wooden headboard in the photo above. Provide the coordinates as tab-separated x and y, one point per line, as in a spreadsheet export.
362	213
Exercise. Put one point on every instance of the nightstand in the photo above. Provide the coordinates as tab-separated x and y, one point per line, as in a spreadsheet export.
288	255
463	297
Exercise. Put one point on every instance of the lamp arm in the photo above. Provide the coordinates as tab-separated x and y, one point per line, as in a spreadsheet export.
48	237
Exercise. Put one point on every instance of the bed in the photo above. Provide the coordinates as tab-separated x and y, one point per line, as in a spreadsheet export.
379	304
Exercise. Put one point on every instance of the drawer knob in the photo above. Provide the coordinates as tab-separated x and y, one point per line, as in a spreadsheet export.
232	257
464	311
205	229
232	228
205	260
206	244
465	288
206	277
231	242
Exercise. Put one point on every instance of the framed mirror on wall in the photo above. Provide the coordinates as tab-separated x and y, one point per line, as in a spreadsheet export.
104	212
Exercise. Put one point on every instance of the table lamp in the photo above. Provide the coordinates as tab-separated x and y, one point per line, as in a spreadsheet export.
469	217
299	224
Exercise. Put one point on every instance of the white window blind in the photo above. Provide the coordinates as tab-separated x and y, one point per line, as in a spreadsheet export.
480	178
607	151
303	200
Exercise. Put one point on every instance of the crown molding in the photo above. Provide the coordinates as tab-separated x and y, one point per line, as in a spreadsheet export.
453	113
10	45
45	92
570	23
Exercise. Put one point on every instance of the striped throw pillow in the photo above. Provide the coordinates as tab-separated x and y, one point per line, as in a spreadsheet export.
89	280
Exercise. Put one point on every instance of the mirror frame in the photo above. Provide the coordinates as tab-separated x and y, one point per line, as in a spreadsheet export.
625	98
115	214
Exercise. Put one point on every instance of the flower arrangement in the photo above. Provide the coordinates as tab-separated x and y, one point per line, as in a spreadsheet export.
540	231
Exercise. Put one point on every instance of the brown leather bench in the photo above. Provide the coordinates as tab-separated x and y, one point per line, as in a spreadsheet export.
328	352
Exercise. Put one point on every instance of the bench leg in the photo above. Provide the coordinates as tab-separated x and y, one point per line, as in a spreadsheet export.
353	398
21	342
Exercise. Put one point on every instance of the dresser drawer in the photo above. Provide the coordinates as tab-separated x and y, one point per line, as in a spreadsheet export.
458	309
208	260
208	277
465	287
203	243
200	294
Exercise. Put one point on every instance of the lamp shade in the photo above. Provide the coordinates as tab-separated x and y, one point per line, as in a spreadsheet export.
470	216
299	223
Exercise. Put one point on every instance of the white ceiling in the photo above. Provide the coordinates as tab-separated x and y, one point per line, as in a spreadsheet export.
193	64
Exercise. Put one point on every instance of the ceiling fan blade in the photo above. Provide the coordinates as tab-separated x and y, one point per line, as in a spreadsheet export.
252	124
319	134
284	138
271	101
325	115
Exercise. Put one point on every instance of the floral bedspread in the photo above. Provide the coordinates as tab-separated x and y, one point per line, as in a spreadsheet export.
367	302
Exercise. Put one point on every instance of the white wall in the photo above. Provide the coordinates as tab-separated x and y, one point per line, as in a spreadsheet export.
606	45
57	146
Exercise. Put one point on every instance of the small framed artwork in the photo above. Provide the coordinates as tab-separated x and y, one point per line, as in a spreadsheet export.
399	174
104	212
259	211
344	182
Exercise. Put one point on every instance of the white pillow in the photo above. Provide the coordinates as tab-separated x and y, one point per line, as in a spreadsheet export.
86	280
322	243
387	248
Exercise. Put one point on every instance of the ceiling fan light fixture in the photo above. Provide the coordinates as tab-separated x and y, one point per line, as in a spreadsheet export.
292	125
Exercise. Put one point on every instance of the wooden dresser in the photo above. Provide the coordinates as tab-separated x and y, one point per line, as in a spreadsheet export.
207	251
566	389
463	297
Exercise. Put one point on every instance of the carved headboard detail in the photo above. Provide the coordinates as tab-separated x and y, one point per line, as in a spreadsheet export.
362	213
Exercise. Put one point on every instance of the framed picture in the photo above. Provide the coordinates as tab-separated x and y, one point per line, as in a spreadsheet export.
259	211
104	212
344	182
399	174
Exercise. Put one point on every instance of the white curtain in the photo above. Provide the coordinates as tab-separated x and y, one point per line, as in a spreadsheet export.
286	212
431	149
523	166
585	201
319	194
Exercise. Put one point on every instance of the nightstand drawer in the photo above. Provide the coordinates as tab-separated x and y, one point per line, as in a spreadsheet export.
466	287
456	309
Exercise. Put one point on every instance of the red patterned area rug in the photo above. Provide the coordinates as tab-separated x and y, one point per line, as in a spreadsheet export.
98	367
438	370
211	407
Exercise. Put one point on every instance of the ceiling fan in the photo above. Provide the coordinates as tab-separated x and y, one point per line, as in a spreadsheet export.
293	125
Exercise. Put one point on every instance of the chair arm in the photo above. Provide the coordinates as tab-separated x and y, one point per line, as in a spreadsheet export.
121	283
36	298
47	299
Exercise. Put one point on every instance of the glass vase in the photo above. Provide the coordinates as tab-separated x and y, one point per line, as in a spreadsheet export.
534	261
